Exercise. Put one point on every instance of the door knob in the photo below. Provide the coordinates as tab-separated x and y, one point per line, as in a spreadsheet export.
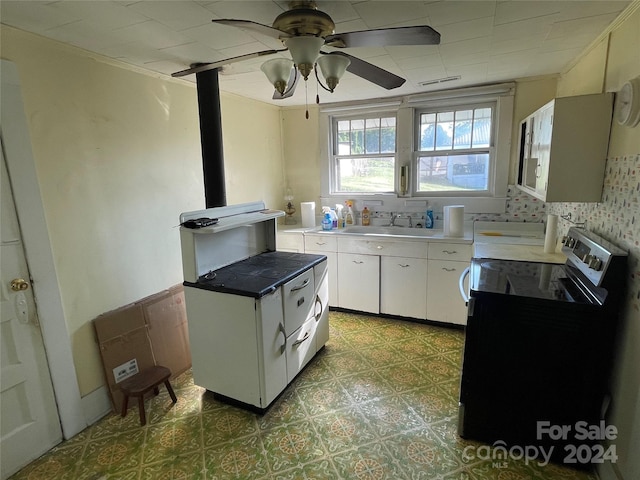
19	284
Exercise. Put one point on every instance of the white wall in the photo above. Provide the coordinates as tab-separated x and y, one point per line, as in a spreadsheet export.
117	156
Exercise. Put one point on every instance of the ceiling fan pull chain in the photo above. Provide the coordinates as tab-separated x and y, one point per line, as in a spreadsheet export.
306	99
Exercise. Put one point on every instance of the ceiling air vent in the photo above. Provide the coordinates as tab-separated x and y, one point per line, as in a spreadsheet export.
439	80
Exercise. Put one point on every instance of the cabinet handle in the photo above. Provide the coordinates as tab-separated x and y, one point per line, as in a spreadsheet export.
379	247
283	347
319	314
303	339
300	287
403	265
358	262
321	243
448	269
450	252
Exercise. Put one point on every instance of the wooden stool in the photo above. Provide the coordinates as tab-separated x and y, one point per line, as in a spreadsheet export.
143	382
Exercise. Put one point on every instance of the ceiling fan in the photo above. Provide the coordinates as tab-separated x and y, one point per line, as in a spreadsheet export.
304	31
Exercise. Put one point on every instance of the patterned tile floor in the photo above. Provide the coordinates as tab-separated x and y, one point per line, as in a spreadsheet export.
379	402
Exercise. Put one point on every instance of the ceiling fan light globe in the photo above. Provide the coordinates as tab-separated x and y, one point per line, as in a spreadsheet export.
277	71
304	51
333	68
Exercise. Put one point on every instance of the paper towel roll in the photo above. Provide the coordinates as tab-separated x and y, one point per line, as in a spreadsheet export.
308	210
454	221
551	235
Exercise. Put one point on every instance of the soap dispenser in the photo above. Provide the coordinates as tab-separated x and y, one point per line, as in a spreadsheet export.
366	216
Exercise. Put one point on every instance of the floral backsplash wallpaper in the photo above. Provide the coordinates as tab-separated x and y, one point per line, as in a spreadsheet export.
616	217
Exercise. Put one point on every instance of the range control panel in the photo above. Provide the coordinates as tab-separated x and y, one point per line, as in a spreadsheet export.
590	253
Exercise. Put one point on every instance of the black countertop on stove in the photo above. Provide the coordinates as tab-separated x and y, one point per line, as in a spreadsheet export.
259	275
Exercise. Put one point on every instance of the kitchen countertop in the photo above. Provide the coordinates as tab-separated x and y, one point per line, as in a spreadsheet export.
527	253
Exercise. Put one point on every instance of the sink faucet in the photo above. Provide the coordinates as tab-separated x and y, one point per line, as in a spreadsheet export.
394	216
410	222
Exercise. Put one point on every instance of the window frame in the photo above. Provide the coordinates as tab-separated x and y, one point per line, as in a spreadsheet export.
418	154
335	157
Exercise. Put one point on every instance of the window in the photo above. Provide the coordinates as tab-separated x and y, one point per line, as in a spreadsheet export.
364	154
454	150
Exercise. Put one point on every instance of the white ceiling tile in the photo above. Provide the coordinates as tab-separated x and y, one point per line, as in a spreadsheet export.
444	13
516	10
84	35
456	32
422	62
152	34
466	47
573	9
218	36
33	16
339	12
107	14
244	49
538	27
176	14
193	53
578	26
378	14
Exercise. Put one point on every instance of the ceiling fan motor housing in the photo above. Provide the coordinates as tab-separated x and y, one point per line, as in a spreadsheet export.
304	18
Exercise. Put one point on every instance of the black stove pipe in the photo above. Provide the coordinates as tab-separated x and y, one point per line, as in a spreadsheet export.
211	138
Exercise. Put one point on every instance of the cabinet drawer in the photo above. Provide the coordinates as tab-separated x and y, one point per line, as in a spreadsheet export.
298	298
290	242
450	251
320	243
301	347
393	248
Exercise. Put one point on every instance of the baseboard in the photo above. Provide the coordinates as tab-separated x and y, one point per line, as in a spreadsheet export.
96	405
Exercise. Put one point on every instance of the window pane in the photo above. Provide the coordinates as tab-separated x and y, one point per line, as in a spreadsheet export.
357	137
344	138
427	131
482	127
462	129
372	135
365	174
453	172
444	130
388	135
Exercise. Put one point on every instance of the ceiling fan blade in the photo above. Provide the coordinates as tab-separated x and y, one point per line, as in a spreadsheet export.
385	37
203	67
293	77
254	27
370	72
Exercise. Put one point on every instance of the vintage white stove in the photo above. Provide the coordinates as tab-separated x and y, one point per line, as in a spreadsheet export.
256	316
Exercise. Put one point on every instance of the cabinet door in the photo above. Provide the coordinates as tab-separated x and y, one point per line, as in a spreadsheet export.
541	146
403	286
358	277
444	303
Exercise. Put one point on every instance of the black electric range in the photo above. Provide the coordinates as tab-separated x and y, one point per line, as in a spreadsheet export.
259	275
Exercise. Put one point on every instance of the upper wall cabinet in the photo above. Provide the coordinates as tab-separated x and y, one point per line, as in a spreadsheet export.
563	149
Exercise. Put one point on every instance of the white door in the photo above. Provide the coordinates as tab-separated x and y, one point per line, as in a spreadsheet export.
29	425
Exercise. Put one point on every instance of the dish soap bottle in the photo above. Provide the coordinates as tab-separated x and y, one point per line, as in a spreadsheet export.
327	222
366	216
428	219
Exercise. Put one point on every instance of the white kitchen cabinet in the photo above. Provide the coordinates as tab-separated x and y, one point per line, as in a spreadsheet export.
359	276
446	263
290	241
563	149
325	244
444	301
403	286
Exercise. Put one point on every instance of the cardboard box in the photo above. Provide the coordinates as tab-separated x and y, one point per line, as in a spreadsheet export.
151	331
166	319
124	346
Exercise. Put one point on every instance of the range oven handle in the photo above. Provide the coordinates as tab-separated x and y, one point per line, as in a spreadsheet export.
302	340
300	287
319	302
464	295
283	347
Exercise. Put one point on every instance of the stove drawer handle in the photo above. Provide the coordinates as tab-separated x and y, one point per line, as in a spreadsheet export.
319	314
300	287
302	340
283	347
